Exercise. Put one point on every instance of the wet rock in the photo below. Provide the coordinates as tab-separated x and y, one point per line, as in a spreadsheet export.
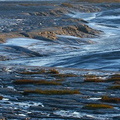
22	50
47	34
74	20
96	1
66	5
28	23
6	111
116	118
80	30
63	106
46	25
40	108
5	36
8	91
12	116
55	12
3	58
2	118
45	106
38	115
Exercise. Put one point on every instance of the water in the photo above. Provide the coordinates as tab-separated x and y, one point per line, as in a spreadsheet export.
104	54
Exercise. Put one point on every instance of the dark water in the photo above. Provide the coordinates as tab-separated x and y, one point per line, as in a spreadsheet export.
103	54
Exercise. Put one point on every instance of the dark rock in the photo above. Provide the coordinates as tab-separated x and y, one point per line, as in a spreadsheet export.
18	49
116	118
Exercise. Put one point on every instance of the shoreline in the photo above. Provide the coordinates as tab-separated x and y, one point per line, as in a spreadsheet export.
48	93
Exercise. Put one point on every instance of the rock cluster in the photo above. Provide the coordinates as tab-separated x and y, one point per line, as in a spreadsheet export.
46	21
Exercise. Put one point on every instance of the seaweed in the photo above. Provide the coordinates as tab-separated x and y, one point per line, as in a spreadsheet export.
1	97
93	78
51	92
34	72
64	75
110	99
39	82
53	71
114	87
67	5
115	77
97	106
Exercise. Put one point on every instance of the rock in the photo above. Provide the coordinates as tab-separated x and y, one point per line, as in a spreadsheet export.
58	11
80	30
5	36
116	118
23	50
2	118
3	58
66	5
77	30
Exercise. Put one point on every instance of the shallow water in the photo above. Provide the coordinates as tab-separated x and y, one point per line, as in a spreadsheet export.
67	52
104	54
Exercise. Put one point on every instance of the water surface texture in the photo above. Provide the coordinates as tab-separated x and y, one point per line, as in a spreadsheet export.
103	54
45	79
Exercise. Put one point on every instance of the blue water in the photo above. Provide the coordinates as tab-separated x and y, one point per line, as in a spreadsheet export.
104	54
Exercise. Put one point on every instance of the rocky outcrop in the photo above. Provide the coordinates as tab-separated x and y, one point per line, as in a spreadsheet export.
78	30
55	12
5	36
98	1
3	58
45	20
63	9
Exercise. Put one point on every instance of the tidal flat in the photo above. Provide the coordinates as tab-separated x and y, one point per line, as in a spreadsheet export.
59	60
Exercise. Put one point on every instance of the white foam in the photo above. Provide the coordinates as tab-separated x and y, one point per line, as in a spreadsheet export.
64	113
68	36
79	115
74	114
82	15
26	104
5	99
94	98
22	115
112	17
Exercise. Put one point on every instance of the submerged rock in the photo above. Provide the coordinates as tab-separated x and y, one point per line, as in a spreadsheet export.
3	58
77	30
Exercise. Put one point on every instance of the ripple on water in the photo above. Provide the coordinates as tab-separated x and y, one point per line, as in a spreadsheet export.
104	54
74	114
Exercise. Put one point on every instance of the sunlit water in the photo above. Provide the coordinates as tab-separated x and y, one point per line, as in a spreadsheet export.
103	54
